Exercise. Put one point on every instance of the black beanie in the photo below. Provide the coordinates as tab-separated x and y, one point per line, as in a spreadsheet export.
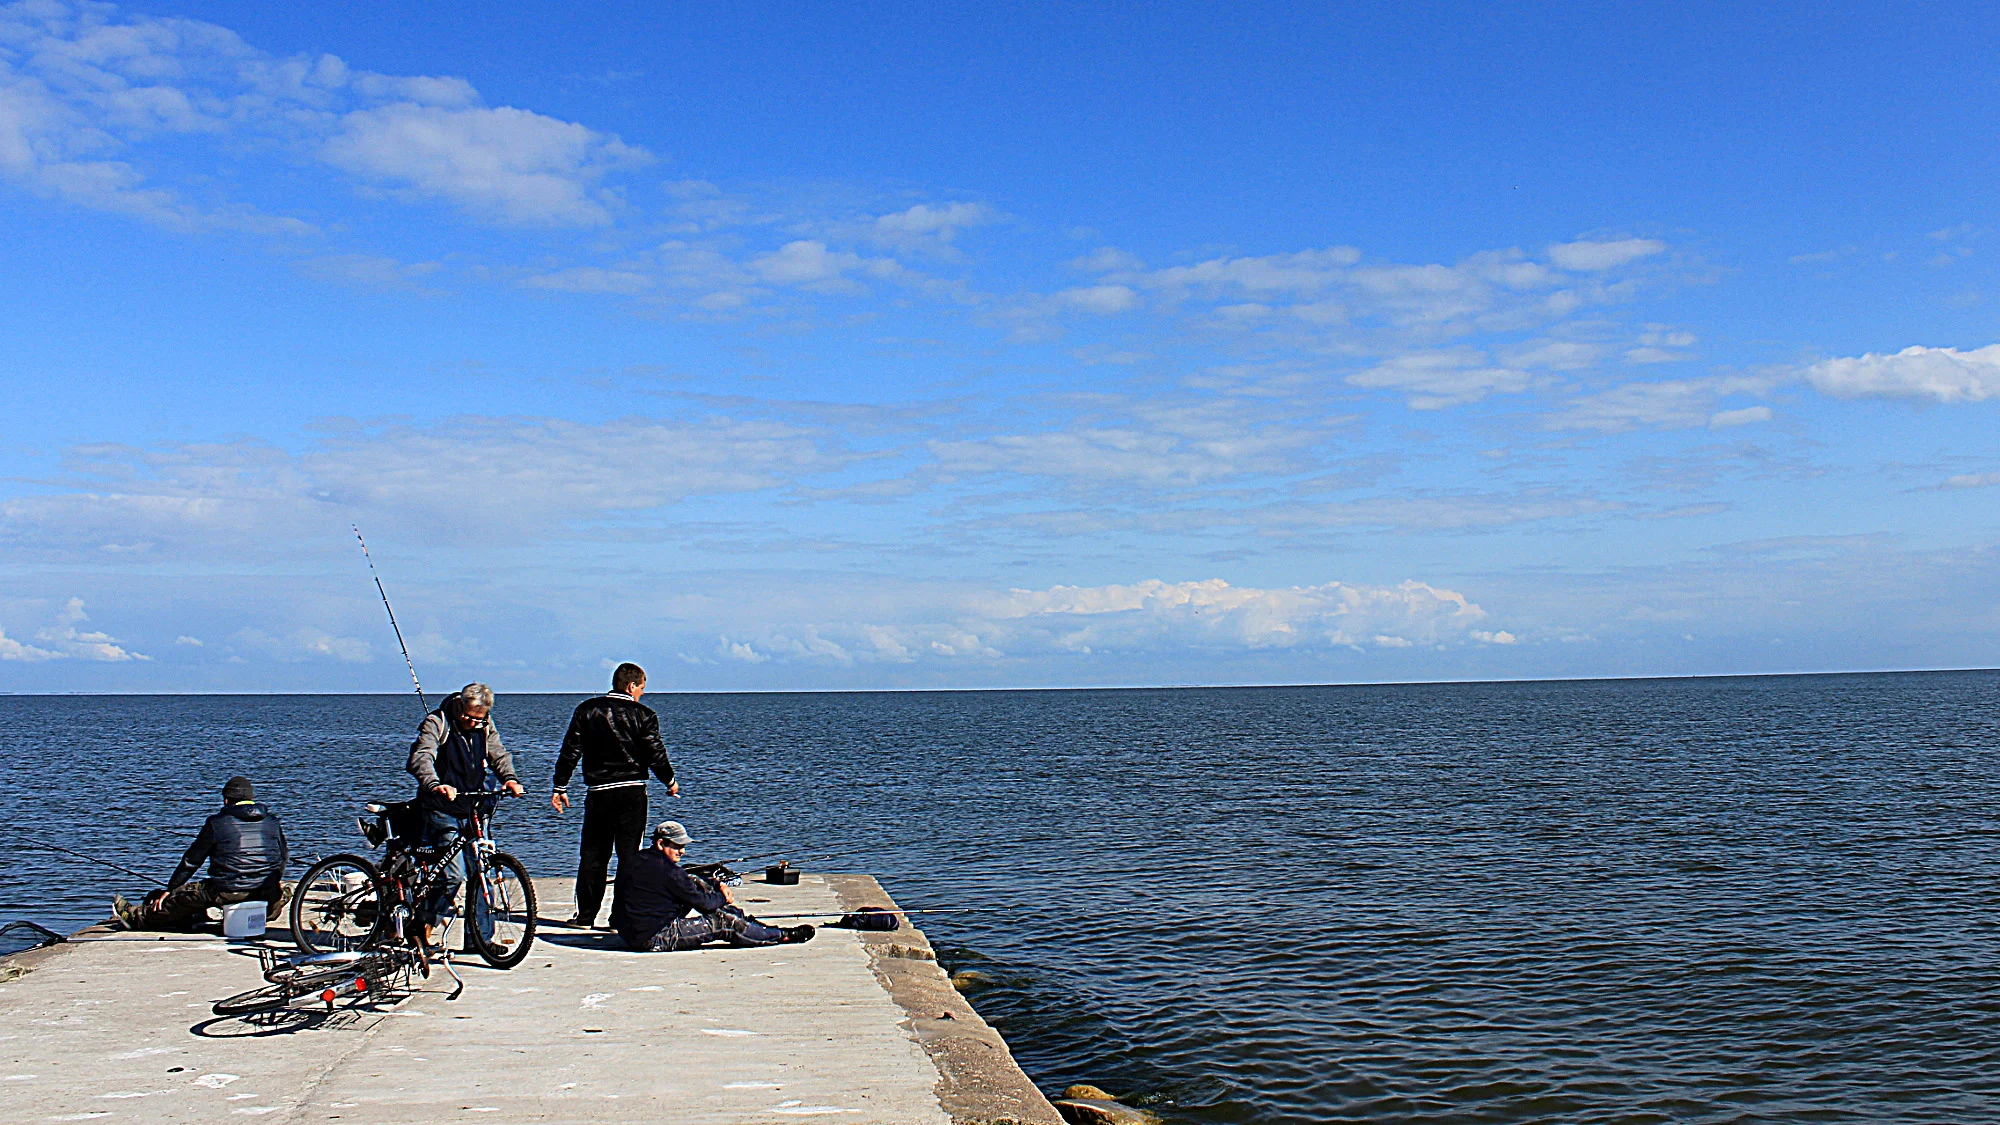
238	789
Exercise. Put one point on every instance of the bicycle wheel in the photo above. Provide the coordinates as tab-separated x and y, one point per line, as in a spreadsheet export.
337	905
256	1000
317	965
510	912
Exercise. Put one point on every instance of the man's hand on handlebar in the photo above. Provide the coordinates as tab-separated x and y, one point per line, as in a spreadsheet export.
449	793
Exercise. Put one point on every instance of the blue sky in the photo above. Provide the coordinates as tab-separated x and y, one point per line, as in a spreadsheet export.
791	346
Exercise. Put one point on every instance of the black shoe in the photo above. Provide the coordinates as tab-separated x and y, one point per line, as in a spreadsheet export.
796	934
579	922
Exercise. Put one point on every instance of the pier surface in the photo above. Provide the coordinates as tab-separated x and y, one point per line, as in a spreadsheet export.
849	1027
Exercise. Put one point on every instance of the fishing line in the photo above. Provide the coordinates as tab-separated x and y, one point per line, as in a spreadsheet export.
407	663
88	859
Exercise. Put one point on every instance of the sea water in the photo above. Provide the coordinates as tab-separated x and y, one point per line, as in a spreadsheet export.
1708	900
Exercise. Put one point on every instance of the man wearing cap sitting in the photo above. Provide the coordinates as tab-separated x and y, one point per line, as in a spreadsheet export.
245	851
660	907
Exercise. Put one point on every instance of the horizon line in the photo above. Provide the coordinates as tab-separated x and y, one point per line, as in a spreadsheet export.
1078	687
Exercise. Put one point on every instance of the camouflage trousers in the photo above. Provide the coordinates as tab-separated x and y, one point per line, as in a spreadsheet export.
728	924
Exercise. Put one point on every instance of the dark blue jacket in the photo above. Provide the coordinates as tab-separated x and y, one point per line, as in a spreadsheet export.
243	846
652	892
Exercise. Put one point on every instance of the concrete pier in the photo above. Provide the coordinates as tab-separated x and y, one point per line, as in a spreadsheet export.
850	1028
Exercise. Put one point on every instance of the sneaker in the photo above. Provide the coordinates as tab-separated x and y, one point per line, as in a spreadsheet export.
796	934
579	922
125	913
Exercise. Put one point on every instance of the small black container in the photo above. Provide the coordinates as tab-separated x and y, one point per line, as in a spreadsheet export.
781	874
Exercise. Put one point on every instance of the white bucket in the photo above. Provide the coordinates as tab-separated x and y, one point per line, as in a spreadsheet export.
244	919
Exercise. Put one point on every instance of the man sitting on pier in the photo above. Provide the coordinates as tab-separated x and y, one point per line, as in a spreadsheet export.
245	851
660	907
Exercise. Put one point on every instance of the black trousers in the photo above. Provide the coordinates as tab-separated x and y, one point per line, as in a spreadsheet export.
185	905
614	821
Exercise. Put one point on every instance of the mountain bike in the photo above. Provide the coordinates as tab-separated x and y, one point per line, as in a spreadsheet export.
326	977
345	903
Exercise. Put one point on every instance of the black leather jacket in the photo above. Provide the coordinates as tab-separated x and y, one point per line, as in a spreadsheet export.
617	738
243	846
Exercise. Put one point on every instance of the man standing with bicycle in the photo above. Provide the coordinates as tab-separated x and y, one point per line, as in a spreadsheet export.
455	746
617	738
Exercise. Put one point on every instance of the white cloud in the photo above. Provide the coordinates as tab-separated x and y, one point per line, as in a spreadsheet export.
1151	616
1107	259
1154	444
1334	288
303	645
809	262
1722	419
1674	404
1104	300
1944	375
1596	256
926	223
1552	355
63	640
1212	612
1971	480
536	477
11	649
504	164
1301	272
1436	379
87	90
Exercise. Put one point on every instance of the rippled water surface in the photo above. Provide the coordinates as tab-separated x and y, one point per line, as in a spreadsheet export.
1763	899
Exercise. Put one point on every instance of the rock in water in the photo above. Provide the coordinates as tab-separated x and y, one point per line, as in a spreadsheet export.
967	980
1080	1090
1101	1111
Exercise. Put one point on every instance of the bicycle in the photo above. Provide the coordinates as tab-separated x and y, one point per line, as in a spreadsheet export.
345	903
329	976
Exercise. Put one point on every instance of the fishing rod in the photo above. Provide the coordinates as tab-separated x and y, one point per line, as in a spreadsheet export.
762	855
93	859
852	913
407	663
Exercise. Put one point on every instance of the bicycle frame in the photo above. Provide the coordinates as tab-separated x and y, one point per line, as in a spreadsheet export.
330	976
432	871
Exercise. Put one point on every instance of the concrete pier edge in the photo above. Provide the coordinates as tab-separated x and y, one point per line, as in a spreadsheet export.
978	1080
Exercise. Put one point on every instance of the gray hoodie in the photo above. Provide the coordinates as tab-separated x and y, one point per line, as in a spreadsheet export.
436	730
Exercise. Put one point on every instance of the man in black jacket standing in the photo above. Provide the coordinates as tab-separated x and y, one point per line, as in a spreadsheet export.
245	851
617	738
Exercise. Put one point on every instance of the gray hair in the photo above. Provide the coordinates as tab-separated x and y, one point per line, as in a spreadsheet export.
476	695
